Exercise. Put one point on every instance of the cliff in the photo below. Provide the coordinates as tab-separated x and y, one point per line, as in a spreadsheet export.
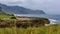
24	22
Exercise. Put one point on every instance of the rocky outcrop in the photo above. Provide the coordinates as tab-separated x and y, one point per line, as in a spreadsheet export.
32	22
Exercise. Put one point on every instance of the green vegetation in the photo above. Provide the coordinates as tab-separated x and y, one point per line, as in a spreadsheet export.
9	25
6	16
13	17
55	29
12	22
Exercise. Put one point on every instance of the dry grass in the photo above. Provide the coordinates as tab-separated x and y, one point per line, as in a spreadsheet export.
55	29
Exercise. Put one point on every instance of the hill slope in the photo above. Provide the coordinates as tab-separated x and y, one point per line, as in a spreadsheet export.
1	12
19	10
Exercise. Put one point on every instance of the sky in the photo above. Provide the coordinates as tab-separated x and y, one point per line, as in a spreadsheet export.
48	6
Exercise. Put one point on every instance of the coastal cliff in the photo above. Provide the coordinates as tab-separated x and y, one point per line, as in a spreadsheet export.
24	22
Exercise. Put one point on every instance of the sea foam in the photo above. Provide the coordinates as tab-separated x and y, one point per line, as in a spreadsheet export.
52	22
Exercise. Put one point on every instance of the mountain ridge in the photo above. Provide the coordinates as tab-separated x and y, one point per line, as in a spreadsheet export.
19	10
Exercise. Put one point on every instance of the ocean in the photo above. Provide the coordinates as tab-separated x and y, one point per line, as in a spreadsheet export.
52	18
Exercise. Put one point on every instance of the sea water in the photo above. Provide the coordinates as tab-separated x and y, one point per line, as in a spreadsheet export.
54	19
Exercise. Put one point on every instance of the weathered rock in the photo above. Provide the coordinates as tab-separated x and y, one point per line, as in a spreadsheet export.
24	23
32	22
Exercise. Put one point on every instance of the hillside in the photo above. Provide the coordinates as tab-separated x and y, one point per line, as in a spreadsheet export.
19	10
1	12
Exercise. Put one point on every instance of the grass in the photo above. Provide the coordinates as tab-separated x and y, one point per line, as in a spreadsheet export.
5	16
53	29
41	30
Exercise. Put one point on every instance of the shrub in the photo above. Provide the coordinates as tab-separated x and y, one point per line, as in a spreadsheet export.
13	17
1	20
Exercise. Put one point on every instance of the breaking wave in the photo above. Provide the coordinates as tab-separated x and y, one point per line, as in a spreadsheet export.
52	22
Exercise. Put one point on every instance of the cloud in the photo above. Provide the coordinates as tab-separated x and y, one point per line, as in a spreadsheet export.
49	6
23	2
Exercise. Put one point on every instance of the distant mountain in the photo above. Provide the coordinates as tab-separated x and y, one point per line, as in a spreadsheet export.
19	10
1	12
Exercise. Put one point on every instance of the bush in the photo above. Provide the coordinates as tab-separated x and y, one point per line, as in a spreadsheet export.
13	17
1	20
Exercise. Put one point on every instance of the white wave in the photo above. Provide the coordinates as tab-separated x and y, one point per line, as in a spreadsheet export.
52	22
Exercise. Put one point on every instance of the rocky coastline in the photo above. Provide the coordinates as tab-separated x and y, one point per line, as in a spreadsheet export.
24	22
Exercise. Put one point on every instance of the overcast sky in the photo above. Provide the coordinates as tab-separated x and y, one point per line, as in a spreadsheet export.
49	6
